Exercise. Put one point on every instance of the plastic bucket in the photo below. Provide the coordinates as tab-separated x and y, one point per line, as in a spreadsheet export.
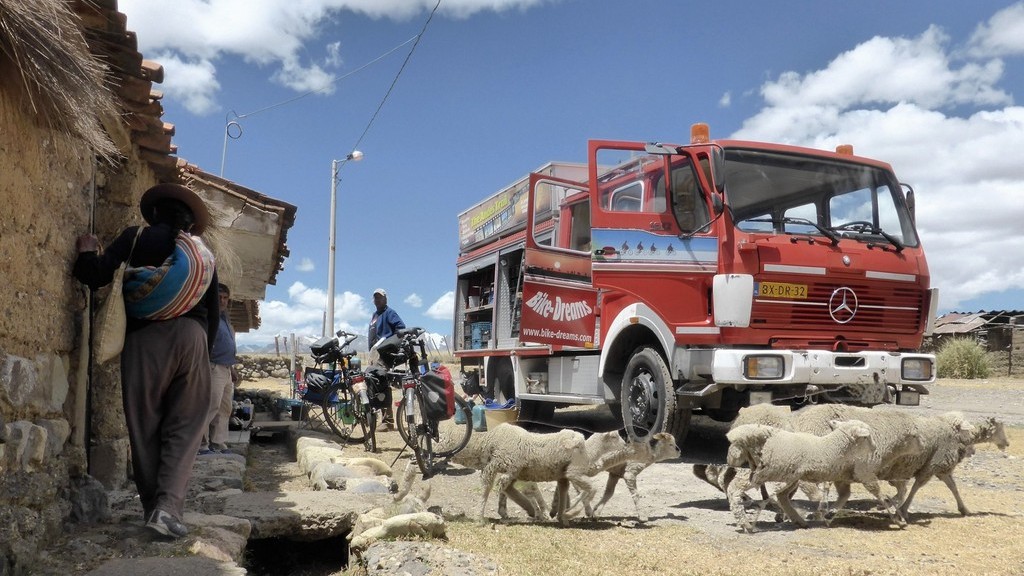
499	416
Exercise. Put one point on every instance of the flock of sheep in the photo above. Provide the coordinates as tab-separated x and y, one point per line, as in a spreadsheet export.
835	444
771	449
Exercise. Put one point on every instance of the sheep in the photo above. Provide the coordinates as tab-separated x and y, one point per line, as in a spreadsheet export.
788	457
611	451
508	453
661	446
776	417
952	439
894	433
734	483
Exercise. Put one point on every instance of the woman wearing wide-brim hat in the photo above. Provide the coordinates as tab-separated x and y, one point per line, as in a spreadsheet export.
165	366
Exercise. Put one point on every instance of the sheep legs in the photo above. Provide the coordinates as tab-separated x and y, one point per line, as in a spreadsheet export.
843	496
533	503
628	475
782	496
947	479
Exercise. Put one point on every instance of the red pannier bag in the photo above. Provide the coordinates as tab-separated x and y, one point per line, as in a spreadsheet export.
440	397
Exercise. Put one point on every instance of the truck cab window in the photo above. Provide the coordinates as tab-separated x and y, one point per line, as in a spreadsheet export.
628	198
688	208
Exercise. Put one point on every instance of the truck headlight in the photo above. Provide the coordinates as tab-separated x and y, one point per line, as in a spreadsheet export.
916	369
763	367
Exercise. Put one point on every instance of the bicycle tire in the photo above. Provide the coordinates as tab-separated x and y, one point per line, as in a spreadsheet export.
335	413
415	434
361	414
455	434
370	419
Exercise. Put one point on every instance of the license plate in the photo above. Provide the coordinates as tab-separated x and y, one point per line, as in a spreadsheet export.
781	290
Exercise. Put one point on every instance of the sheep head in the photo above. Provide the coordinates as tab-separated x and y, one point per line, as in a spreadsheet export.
663	447
858	431
991	430
746	442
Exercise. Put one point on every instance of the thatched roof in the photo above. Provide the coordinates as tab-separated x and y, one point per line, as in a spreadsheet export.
64	83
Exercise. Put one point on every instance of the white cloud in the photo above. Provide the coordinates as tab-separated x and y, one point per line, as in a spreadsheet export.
1003	34
443	308
725	101
189	36
306	265
414	300
893	99
303	314
195	81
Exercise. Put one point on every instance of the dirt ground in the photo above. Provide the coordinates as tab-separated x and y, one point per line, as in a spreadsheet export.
691	529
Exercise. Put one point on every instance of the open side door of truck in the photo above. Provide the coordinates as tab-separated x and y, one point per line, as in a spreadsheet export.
559	300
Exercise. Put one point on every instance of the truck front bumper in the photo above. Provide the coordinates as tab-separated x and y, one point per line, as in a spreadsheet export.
873	377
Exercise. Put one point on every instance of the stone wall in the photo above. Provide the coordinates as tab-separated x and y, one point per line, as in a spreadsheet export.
48	186
258	367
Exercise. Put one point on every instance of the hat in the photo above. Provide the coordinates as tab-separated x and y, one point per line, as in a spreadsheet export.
381	291
182	194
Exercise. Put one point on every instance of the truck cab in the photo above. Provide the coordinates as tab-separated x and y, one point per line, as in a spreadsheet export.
701	278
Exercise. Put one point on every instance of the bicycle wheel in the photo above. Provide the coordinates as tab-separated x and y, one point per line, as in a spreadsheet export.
340	415
453	434
413	429
367	419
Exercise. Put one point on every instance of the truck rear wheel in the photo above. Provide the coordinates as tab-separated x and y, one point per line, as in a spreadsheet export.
648	398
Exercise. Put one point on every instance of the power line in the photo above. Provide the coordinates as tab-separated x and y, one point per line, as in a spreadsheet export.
228	123
395	81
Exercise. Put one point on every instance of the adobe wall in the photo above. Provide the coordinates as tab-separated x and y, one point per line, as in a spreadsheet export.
46	189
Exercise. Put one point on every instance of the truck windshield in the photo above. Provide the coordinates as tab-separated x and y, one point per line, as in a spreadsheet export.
780	193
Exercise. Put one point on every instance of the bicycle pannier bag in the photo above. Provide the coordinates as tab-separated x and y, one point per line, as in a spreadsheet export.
439	400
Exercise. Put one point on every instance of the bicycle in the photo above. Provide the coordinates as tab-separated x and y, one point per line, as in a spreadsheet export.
429	421
342	390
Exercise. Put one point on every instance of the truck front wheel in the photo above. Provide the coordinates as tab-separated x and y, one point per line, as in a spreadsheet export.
648	399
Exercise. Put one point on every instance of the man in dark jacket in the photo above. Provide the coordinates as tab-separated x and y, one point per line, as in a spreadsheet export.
384	323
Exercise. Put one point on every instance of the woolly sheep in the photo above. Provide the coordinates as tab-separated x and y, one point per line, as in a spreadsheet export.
509	453
788	457
952	438
894	433
638	457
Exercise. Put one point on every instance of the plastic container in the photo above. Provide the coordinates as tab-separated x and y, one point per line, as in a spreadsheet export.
479	418
497	416
460	416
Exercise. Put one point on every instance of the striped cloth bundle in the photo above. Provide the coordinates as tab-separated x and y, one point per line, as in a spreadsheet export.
173	288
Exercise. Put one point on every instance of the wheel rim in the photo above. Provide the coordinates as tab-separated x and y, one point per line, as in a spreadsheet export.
643	403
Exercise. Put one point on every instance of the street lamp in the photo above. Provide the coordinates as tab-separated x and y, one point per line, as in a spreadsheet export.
335	166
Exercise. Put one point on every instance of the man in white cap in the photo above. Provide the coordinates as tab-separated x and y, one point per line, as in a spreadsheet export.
384	323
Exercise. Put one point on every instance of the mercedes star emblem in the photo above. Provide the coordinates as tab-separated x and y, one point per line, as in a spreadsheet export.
842	306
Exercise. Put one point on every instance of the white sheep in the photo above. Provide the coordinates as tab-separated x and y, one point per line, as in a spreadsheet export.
789	457
509	453
951	439
632	459
894	433
776	417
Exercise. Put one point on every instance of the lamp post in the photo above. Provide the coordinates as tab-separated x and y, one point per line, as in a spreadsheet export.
335	166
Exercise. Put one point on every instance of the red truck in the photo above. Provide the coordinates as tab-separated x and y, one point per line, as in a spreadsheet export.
668	280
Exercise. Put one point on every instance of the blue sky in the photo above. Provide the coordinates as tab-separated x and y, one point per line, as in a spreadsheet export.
497	88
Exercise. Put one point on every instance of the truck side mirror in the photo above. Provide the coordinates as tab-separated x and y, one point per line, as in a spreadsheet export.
718	171
908	192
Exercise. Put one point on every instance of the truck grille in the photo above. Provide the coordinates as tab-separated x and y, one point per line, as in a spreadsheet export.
893	308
